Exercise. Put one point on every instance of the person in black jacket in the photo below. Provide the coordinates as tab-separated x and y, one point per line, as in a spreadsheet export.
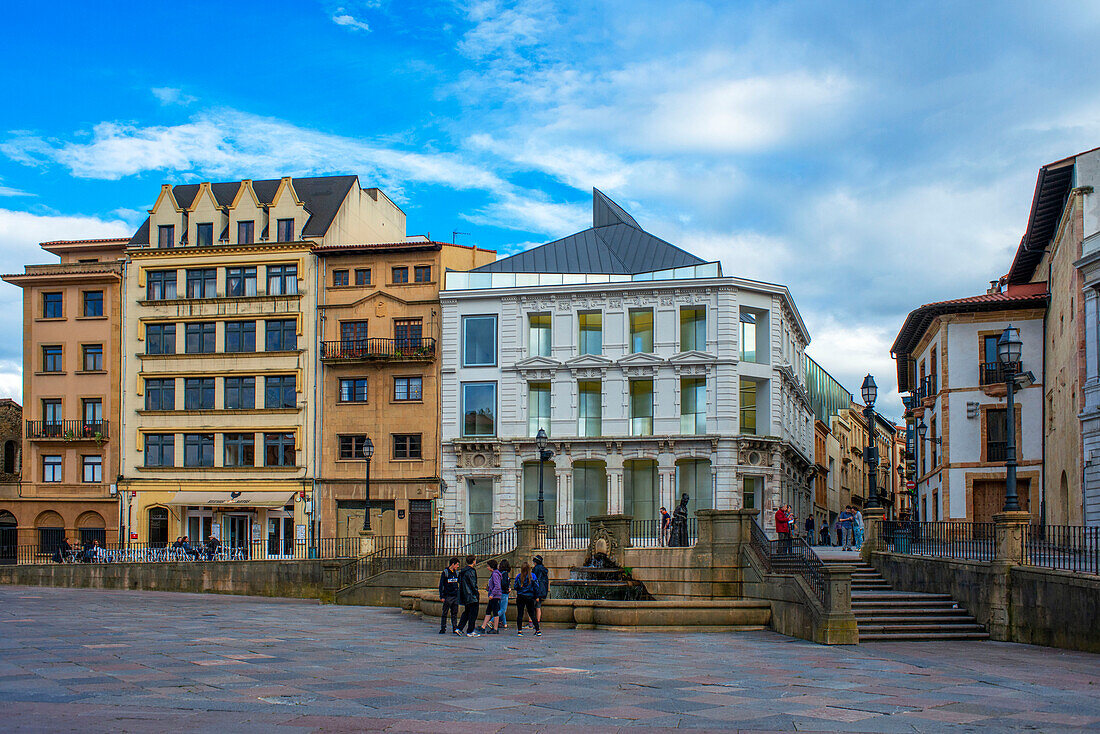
448	594
542	585
468	597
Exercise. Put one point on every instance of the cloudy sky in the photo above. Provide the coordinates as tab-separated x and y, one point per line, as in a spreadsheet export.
871	156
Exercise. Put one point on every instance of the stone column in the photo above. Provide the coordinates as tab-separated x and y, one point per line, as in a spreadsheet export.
330	581
837	625
873	518
366	542
527	539
1008	536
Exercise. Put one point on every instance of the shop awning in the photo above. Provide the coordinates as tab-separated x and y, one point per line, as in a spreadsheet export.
227	499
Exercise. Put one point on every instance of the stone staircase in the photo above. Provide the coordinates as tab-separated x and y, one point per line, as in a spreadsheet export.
883	614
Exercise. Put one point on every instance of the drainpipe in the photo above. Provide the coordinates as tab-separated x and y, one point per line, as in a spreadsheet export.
1043	415
315	528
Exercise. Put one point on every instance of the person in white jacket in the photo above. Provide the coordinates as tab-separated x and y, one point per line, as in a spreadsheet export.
857	525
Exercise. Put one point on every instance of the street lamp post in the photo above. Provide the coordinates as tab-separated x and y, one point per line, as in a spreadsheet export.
1009	348
368	452
870	454
545	454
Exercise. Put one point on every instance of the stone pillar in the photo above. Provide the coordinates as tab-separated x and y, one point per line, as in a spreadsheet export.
1008	536
723	535
873	517
617	528
837	626
527	539
366	542
330	581
614	489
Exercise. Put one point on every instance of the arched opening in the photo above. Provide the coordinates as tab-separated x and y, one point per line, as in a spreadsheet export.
693	478
51	531
91	527
641	498
158	527
589	489
531	492
9	537
9	457
1063	498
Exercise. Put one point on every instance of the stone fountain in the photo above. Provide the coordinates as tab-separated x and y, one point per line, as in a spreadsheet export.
601	577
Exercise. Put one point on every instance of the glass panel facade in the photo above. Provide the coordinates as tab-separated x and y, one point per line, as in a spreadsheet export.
748	407
641	407
479	341
641	330
640	492
693	477
531	492
693	329
590	332
480	505
538	344
693	405
748	337
538	407
479	407
589	489
589	408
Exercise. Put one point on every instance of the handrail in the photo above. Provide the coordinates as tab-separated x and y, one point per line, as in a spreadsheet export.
943	539
68	430
1064	547
410	347
791	556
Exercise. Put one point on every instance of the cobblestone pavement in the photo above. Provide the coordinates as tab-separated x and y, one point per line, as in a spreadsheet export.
92	661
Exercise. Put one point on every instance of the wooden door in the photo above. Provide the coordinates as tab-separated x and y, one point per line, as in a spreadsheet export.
420	528
989	497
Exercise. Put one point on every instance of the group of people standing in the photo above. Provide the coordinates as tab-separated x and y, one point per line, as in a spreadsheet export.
848	528
530	586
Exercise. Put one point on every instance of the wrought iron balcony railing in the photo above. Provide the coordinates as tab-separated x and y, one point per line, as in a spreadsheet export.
994	373
402	348
68	430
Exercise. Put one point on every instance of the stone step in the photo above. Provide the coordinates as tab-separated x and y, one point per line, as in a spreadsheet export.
884	619
921	636
899	596
913	629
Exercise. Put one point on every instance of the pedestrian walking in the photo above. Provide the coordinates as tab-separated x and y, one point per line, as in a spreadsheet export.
857	527
810	538
469	597
448	594
542	585
505	590
493	591
844	527
664	526
526	592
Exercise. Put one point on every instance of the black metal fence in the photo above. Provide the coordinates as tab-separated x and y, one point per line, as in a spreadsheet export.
791	556
380	348
945	539
567	536
68	430
1065	547
648	533
259	550
992	373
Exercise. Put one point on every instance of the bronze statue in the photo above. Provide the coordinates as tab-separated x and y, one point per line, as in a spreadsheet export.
678	534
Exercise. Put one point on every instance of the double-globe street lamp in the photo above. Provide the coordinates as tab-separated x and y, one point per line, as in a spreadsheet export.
870	453
368	452
545	454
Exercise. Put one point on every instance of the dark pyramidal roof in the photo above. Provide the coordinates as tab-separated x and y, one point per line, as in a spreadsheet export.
614	244
321	196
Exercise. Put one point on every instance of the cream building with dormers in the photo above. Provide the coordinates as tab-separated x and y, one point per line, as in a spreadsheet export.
652	373
220	354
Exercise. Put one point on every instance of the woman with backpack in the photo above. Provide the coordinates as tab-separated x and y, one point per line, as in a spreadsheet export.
505	569
527	589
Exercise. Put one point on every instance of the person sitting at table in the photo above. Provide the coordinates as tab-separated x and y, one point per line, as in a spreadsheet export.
185	545
212	546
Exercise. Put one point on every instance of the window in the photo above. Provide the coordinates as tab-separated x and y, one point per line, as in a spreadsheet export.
479	407
240	281
400	275
748	407
51	306
751	490
748	336
589	489
280	392
240	336
91	469
282	280
933	373
538	408
406	333
198	449
204	236
407	388
641	330
285	230
198	393
246	232
93	357
406	446
199	337
279	449
160	339
362	276
93	303
538	335
239	449
996	432
479	341
932	434
693	405
693	329
160	394
160	285
202	283
51	359
166	236
589	408
591	332
160	449
353	331
353	390
351	447
281	335
240	393
51	412
339	278
423	273
51	468
91	413
641	407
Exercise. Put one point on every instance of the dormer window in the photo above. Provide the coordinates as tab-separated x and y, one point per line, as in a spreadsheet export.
285	230
204	237
246	232
166	235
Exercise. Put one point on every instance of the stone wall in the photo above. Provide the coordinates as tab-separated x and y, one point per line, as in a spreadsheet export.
1028	604
298	579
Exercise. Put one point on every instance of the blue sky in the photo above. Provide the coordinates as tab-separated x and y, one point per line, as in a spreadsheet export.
871	156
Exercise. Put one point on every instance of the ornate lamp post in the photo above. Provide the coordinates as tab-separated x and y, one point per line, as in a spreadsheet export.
368	452
1009	349
545	454
870	454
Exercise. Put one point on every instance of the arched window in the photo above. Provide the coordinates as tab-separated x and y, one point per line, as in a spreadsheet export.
158	526
51	531
9	537
91	527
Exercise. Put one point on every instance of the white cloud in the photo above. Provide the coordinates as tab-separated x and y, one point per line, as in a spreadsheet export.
172	96
9	191
343	18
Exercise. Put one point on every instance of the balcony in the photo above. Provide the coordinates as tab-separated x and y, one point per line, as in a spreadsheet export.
995	373
68	430
408	349
996	451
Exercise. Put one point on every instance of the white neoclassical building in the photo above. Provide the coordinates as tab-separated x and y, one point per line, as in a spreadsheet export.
652	373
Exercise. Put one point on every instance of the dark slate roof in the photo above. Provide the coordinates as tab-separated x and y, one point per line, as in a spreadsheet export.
321	195
614	244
